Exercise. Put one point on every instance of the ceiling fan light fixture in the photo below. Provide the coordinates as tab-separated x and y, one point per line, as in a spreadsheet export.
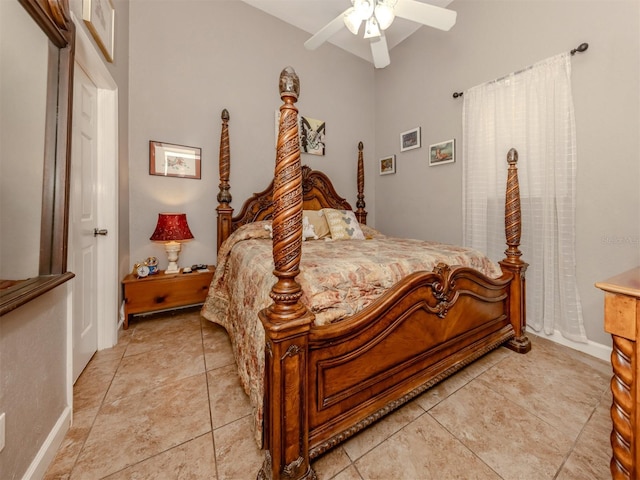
371	28
352	20
364	8
384	14
378	15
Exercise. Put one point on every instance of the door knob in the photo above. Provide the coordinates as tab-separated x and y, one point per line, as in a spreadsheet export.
99	231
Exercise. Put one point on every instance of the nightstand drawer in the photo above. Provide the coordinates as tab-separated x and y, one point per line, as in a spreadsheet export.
161	291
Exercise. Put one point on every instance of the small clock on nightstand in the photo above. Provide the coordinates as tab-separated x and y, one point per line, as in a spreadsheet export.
142	271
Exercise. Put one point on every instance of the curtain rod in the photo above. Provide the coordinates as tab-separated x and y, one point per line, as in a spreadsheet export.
579	49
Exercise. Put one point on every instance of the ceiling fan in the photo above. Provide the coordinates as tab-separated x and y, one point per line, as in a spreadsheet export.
377	16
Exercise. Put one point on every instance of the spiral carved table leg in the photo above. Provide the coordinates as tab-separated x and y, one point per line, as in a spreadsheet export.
622	411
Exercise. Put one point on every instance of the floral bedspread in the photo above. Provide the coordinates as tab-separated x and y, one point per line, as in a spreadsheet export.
338	279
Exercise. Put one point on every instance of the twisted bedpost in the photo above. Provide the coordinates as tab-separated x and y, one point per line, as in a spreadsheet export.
286	321
513	263
224	197
361	213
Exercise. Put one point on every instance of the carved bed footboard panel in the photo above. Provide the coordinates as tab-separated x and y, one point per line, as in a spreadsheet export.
413	337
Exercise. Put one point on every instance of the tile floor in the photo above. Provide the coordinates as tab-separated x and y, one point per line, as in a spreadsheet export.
165	403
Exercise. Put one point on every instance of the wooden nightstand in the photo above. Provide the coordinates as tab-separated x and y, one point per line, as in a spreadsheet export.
164	291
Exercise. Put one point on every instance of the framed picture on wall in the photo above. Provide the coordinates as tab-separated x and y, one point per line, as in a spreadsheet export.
169	160
410	139
99	15
443	152
312	135
388	165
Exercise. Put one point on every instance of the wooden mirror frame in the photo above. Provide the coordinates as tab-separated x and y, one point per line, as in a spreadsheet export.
53	17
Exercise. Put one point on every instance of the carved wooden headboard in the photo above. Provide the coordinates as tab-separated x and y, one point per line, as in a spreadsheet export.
317	192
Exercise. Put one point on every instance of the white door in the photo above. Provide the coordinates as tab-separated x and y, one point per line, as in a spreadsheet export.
83	255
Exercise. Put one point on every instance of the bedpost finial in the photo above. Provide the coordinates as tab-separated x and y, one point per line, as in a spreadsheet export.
289	82
225	115
512	156
360	146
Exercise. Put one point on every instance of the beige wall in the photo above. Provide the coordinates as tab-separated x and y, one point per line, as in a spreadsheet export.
191	59
494	38
120	71
33	392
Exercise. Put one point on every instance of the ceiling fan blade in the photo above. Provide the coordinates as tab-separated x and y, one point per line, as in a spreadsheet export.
430	15
380	52
325	32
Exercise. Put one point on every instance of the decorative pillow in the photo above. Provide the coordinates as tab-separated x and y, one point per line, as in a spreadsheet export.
317	221
343	224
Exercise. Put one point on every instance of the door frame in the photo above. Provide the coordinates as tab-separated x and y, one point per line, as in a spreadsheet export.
107	284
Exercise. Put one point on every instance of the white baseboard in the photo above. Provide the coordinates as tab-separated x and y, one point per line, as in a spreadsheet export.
598	350
49	448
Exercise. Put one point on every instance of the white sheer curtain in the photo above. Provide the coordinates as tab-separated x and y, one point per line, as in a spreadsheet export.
531	110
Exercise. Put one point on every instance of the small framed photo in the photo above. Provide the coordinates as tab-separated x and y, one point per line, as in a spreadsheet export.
443	152
168	160
410	139
388	165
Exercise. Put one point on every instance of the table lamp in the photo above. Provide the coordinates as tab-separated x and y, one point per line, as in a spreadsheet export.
172	228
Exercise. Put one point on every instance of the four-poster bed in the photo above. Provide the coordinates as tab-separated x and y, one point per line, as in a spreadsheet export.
325	381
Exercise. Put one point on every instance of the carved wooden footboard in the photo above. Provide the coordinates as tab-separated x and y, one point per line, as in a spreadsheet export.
323	384
410	339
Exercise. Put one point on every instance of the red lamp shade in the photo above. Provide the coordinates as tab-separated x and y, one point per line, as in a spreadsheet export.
172	227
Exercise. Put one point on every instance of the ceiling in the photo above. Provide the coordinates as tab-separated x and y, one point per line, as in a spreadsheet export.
312	15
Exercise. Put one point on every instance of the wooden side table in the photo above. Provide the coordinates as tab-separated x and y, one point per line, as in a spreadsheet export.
164	291
622	321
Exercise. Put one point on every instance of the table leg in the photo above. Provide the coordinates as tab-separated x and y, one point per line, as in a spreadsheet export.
623	409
